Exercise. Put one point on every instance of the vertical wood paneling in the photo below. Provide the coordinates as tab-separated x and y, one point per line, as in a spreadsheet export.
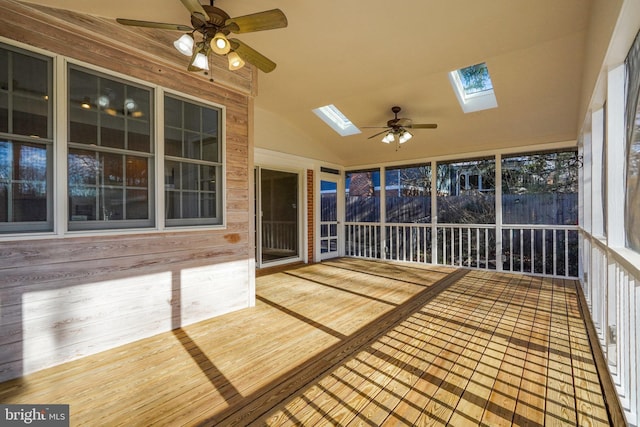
67	297
310	219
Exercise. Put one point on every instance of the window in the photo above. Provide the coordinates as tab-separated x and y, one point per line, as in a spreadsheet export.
466	192
26	143
192	163
540	189
408	194
110	153
473	88
363	196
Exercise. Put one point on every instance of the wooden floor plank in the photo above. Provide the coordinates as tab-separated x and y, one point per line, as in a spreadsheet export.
530	405
351	342
477	392
590	404
502	400
560	403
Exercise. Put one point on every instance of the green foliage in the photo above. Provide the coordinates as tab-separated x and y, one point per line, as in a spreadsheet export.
475	78
541	173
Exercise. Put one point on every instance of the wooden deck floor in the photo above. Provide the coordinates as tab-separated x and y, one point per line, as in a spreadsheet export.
351	342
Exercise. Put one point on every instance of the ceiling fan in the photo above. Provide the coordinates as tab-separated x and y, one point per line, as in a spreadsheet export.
396	128
214	25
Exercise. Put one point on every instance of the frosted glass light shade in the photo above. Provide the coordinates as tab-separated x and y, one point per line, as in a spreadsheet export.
220	44
201	61
235	62
184	44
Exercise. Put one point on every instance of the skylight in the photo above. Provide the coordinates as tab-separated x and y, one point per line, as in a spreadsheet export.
338	121
473	88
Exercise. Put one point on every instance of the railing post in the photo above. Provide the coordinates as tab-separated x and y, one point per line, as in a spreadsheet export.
498	194
434	212
383	213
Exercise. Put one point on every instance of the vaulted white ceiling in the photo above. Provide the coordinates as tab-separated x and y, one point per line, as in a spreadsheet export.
364	56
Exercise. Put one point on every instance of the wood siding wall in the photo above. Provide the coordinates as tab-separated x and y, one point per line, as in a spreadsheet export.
65	297
310	212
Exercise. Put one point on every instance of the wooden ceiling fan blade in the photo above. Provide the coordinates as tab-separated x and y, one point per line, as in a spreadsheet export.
148	24
422	126
252	56
195	8
267	20
379	133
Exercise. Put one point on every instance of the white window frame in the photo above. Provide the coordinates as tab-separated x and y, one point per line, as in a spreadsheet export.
95	225
59	169
222	162
47	226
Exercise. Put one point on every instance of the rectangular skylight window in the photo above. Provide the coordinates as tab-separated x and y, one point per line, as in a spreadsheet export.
475	79
473	88
338	121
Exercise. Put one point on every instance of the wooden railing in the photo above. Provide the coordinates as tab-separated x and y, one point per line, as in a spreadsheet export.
550	250
534	249
611	285
281	235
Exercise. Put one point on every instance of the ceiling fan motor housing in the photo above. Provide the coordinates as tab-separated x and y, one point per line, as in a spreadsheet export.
217	19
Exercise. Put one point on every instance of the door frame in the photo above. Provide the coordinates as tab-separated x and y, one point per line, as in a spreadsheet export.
301	226
339	180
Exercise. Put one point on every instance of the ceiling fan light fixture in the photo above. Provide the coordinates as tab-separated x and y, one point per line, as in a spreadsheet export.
201	61
220	44
404	137
235	62
184	44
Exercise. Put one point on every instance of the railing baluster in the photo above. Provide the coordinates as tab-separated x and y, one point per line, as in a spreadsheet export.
521	250
364	241
478	247
486	248
555	258
424	244
453	246
411	232
544	252
532	234
443	245
459	245
566	253
445	254
469	247
510	249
